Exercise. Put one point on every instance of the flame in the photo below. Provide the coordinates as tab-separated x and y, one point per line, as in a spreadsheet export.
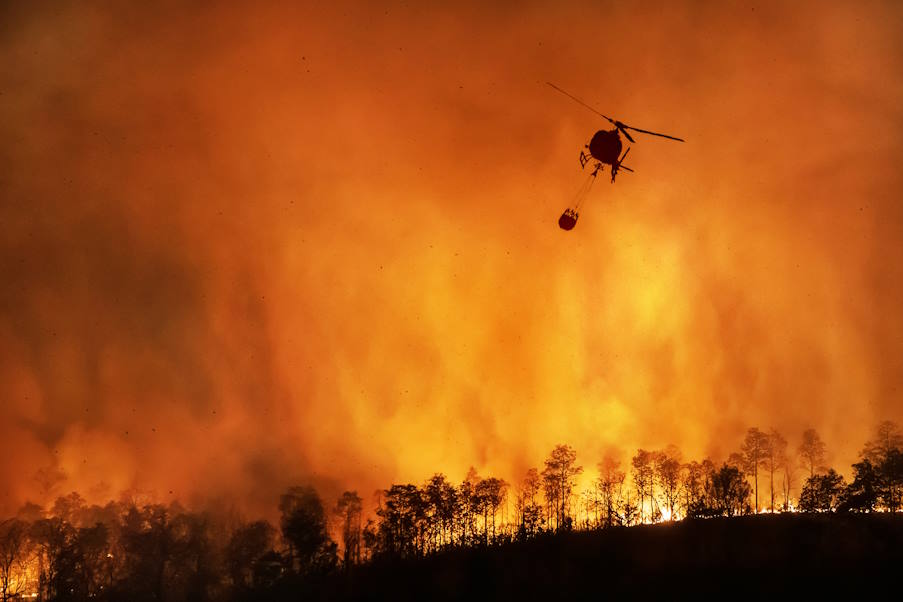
250	248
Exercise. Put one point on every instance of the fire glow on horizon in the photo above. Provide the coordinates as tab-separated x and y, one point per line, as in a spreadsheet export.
254	247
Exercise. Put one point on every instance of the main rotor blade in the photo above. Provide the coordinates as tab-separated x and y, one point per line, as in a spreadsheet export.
620	126
653	133
577	100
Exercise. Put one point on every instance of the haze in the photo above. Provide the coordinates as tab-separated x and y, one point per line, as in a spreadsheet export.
247	247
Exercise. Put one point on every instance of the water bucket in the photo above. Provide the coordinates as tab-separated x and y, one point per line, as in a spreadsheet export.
568	219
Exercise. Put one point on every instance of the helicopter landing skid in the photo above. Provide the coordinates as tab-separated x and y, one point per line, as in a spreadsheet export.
586	160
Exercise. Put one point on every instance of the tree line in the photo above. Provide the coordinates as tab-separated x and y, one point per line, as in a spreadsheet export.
132	549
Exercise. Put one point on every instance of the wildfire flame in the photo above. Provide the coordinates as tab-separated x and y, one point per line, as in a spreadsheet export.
248	249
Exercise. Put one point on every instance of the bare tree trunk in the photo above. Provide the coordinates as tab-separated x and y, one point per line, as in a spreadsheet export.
771	487
756	478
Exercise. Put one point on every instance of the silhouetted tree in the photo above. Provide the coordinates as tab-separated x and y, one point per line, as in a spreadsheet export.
491	494
775	453
560	476
643	480
890	472
30	512
812	452
667	472
303	524
348	510
630	511
54	538
755	450
247	544
448	511
590	503
862	494
737	460
371	538
888	437
146	542
468	503
15	550
610	484
402	517
694	487
821	493
193	568
885	454
788	468
95	560
69	508
529	512
109	515
727	491
441	500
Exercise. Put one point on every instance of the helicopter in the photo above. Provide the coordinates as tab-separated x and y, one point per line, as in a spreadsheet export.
605	149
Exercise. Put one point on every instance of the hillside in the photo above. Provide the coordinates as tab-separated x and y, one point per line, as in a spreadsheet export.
719	558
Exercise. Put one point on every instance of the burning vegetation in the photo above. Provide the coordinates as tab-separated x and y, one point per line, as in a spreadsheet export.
136	549
263	259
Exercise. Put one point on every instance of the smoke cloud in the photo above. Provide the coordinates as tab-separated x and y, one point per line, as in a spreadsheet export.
244	247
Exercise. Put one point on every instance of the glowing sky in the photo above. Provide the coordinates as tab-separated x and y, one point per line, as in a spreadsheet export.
248	247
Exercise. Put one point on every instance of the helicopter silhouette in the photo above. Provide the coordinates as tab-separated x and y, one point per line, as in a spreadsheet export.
605	149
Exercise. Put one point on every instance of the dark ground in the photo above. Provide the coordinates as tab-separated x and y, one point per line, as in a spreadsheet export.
779	557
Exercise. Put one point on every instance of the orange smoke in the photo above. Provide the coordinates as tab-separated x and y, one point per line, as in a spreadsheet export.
247	247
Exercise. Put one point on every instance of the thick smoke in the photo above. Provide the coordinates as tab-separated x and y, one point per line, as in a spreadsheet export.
246	247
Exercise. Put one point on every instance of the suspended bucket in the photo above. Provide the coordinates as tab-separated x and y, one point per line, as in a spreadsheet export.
568	219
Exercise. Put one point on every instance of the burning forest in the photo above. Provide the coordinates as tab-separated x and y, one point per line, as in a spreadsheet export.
282	290
134	549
